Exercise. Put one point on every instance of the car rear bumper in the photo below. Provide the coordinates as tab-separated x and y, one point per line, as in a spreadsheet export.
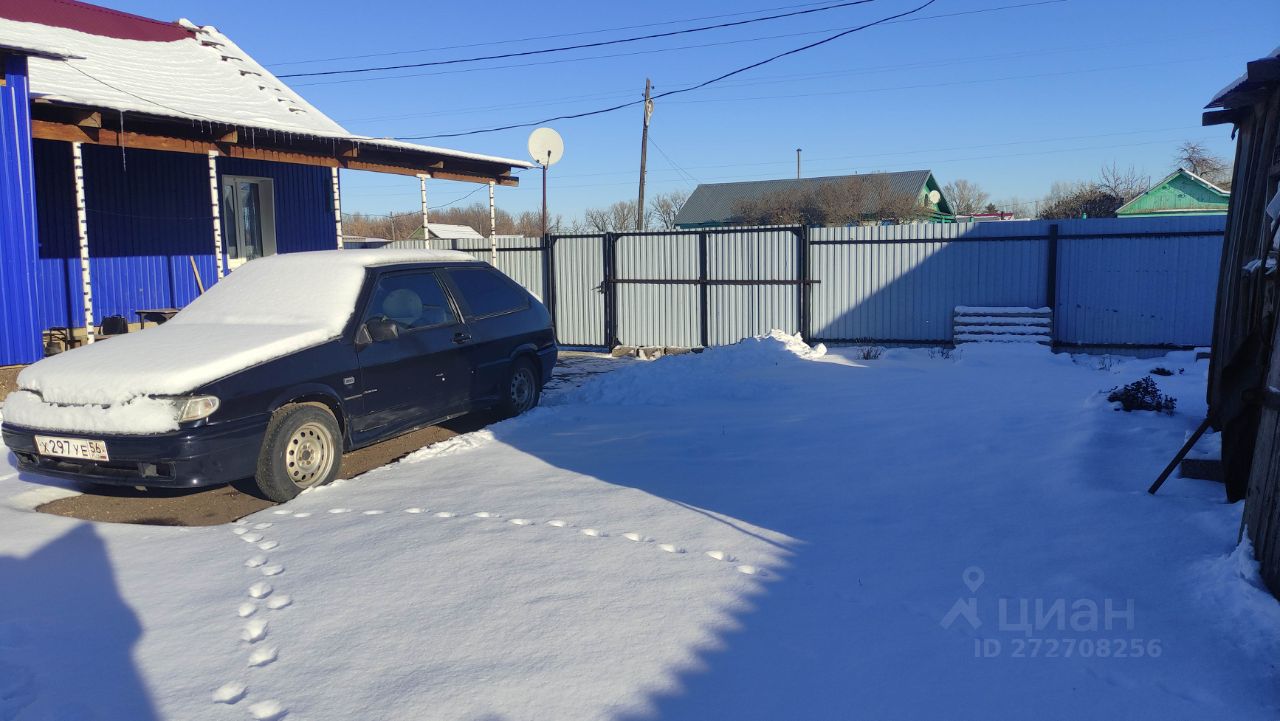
547	359
203	456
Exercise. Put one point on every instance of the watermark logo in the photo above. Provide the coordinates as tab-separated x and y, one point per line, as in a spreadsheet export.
1035	627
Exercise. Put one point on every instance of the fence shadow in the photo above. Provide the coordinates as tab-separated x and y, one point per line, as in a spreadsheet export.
67	636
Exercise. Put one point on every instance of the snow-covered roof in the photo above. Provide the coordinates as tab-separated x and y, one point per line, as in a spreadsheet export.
182	71
453	232
1236	84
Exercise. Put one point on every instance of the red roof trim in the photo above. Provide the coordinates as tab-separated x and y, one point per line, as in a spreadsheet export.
93	20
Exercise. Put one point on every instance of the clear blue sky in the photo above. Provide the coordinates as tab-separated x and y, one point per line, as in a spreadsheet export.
1012	99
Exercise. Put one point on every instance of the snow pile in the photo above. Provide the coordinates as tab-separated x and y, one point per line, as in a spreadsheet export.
1232	585
139	415
267	308
733	371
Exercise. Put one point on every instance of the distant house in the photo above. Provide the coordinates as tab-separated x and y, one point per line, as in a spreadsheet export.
446	231
442	237
1182	192
717	204
141	160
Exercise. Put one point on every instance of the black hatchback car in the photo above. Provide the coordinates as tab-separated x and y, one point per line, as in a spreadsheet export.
281	367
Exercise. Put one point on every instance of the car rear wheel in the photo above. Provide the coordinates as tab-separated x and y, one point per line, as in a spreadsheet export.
302	449
522	389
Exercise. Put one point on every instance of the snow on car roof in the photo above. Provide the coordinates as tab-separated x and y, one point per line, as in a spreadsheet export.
265	309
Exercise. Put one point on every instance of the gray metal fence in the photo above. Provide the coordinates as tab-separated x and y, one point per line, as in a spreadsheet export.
1146	282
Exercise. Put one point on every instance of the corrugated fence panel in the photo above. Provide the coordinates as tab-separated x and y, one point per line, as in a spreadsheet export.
1138	290
579	284
903	282
742	311
652	314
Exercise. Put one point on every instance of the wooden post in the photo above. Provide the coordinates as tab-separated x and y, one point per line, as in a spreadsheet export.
82	231
644	152
337	206
215	204
426	228
493	228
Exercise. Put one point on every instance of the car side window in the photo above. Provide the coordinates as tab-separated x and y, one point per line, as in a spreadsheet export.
412	300
488	292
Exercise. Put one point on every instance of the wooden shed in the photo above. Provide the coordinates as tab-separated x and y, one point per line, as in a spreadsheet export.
1244	371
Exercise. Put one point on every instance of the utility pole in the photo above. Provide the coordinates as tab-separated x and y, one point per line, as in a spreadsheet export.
797	163
644	151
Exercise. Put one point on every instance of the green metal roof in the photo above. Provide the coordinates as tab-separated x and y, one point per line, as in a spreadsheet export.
1182	192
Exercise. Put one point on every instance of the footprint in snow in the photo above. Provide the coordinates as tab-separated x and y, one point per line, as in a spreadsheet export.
261	589
671	548
750	570
279	601
270	710
637	537
274	569
520	521
268	545
251	537
256	561
261	526
246	610
594	533
558	523
254	631
415	509
373	513
302	514
486	514
229	693
339	510
446	514
281	512
720	556
239	530
262	656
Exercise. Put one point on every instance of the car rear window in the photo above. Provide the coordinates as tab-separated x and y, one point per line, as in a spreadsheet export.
487	292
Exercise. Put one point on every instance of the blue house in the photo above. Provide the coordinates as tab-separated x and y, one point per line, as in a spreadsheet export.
141	161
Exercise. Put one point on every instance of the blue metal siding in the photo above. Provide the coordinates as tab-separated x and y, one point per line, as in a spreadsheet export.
20	340
149	215
304	202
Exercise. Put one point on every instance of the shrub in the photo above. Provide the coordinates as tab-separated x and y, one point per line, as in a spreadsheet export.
868	352
1143	395
1161	371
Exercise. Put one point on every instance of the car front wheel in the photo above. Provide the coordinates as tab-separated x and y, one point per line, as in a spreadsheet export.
302	449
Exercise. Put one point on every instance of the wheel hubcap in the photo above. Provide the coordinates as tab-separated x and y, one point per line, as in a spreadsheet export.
522	389
309	455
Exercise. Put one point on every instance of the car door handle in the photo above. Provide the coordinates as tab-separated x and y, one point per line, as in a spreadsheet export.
461	337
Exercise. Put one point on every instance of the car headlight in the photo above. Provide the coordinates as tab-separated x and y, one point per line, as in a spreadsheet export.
194	408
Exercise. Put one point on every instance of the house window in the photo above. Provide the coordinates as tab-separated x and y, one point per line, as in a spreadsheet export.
248	218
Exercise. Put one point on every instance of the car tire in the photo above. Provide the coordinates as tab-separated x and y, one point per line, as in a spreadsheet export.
521	390
301	449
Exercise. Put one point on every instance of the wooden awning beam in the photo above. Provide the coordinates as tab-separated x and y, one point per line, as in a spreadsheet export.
77	127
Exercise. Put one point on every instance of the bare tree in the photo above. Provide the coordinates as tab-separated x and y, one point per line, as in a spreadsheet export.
846	201
1079	200
619	217
1194	156
1124	184
965	196
664	208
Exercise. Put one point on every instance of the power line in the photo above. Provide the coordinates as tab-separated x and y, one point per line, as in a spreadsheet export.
673	163
581	46
543	37
690	88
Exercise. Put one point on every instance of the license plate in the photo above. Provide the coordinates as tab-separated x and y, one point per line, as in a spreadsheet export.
82	448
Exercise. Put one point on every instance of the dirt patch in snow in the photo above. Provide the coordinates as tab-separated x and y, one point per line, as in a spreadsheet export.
9	380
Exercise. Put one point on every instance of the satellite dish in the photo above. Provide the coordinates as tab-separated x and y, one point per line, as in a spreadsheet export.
546	146
934	196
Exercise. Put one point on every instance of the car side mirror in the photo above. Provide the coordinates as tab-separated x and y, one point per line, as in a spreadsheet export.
381	329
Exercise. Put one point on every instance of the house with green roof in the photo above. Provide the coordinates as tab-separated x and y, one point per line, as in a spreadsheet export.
1182	192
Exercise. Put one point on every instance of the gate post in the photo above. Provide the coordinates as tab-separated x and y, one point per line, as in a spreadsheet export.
608	252
704	332
802	278
1051	280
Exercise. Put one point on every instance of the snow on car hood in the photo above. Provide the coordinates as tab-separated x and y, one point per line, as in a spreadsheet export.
170	359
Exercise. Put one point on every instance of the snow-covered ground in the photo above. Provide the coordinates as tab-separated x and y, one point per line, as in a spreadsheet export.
761	531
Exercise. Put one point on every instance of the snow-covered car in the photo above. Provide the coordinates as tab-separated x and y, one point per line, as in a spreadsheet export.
282	366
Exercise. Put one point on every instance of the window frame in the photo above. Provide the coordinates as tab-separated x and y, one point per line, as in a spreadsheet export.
363	316
462	297
266	216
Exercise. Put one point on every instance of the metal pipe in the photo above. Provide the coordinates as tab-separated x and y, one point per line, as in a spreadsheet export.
493	228
82	231
426	226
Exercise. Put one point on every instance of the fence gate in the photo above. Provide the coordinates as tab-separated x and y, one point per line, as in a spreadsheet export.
576	269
